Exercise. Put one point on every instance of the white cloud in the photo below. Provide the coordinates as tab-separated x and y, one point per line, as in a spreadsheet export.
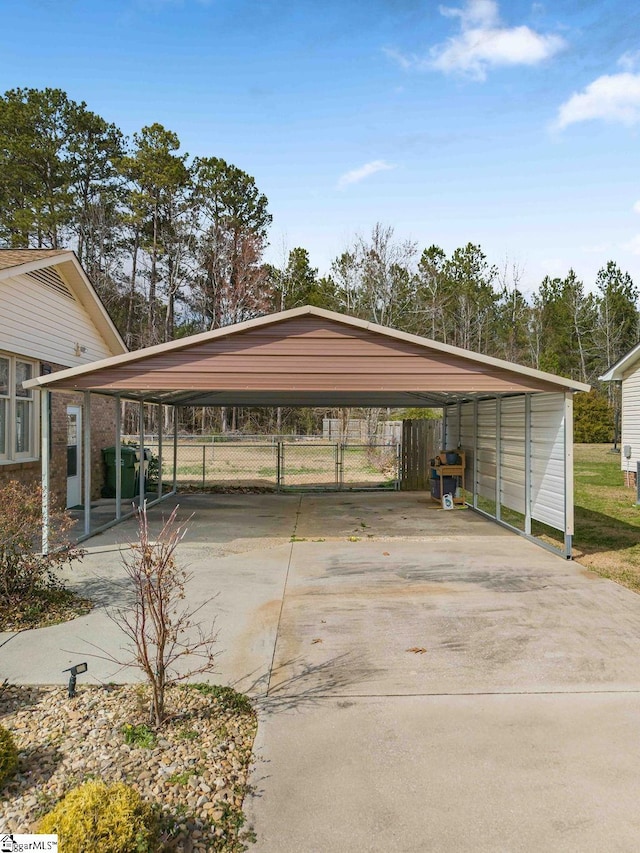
357	175
636	207
612	97
630	60
633	245
481	12
483	43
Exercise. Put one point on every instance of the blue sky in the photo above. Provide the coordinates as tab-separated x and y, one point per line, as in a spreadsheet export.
513	125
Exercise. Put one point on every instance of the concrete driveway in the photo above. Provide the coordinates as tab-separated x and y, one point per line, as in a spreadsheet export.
425	679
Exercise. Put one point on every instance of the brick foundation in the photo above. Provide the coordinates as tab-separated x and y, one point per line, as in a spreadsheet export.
102	435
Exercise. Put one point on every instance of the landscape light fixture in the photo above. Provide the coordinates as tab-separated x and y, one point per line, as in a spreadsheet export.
74	670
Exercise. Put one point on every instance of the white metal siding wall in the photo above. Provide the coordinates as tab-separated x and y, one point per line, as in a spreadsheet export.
512	454
631	418
467	441
487	448
535	463
548	459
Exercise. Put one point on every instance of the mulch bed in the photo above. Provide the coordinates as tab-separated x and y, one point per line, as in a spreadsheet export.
42	608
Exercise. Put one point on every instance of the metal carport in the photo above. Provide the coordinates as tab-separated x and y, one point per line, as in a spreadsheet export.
515	423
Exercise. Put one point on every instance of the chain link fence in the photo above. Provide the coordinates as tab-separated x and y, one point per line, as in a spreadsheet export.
272	462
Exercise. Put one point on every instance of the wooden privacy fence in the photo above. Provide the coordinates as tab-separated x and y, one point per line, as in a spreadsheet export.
421	441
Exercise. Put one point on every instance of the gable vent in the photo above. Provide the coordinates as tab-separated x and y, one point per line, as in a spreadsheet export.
51	279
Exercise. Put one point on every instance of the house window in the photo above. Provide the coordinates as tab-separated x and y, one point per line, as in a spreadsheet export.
4	405
17	412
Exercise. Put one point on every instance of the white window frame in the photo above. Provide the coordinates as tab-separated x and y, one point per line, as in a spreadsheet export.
10	454
6	401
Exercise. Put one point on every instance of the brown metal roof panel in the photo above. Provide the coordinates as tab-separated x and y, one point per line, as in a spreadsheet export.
282	336
201	359
311	382
404	375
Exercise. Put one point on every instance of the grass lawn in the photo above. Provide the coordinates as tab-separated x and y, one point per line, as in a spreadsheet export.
607	537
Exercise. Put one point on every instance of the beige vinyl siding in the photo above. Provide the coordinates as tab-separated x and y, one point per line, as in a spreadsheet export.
631	419
39	323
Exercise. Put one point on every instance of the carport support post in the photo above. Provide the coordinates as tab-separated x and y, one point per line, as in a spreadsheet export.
141	477
86	430
568	474
160	416
118	458
527	464
475	453
175	447
498	457
45	406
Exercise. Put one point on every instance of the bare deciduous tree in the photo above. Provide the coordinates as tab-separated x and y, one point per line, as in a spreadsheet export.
161	628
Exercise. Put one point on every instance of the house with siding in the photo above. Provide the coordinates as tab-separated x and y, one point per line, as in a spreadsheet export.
50	319
627	371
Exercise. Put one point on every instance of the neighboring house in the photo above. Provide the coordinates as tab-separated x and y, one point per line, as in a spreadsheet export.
50	318
627	371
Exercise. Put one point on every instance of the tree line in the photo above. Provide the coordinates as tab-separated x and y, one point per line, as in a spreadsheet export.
175	245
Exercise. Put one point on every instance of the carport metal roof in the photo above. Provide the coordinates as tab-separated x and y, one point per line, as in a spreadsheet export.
312	357
304	357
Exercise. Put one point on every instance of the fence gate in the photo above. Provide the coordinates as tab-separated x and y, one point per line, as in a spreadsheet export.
337	466
421	441
309	466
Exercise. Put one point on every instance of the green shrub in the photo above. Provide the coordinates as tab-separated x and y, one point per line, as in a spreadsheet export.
593	419
139	735
8	755
103	819
417	414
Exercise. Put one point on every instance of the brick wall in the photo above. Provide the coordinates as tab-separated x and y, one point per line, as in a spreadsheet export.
24	472
102	435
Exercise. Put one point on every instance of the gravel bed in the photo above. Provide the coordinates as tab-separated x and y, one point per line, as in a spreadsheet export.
195	767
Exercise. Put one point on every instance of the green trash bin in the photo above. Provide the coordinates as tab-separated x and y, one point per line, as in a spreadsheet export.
128	463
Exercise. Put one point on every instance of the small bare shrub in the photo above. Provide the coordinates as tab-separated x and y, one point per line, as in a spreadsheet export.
24	570
162	631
